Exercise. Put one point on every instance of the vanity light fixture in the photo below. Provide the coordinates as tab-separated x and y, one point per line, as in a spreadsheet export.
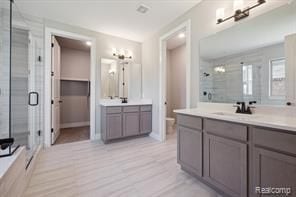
239	11
220	69
122	55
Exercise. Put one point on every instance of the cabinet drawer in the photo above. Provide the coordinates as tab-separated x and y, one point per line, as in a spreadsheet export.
113	110
190	121
226	129
274	139
146	108
131	109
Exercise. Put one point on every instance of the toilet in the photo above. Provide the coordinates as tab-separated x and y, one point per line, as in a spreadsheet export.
170	123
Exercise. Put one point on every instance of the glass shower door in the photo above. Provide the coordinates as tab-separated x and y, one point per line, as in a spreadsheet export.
21	77
25	98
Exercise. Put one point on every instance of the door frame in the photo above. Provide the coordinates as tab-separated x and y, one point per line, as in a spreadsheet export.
163	72
49	32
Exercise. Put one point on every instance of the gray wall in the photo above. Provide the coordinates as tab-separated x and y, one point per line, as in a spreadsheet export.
176	79
203	23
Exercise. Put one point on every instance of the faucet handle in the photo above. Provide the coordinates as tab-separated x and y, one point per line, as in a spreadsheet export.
252	102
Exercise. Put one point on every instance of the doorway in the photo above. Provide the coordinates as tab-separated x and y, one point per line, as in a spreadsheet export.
70	90
175	62
70	112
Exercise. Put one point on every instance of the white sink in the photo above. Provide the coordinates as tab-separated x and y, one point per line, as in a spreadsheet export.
236	115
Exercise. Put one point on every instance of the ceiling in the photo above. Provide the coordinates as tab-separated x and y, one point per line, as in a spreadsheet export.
72	44
176	41
114	17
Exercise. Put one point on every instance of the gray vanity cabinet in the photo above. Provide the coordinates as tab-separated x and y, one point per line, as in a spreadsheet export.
114	129
236	158
225	156
274	159
273	169
145	119
146	122
189	149
190	143
226	165
131	121
125	121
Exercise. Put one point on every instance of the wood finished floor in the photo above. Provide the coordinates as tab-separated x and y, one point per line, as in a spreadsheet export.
135	168
76	134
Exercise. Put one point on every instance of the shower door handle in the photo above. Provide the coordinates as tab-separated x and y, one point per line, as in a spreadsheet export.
30	100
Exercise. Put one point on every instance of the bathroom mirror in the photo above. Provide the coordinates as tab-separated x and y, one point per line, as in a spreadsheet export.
246	62
120	79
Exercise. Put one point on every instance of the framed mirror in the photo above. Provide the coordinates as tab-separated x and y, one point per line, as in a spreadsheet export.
247	62
120	79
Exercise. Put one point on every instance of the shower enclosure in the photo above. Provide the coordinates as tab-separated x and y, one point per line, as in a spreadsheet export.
20	81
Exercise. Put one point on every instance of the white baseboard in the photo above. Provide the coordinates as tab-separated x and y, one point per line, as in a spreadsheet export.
155	135
74	124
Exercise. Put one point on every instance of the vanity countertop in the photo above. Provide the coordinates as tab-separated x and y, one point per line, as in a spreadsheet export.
283	122
117	102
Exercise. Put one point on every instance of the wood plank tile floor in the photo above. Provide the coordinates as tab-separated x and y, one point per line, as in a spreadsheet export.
76	134
134	168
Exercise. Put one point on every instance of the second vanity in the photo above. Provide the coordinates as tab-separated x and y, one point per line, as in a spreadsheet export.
238	155
123	120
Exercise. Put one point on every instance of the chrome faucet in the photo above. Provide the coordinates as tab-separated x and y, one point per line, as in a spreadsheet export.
241	107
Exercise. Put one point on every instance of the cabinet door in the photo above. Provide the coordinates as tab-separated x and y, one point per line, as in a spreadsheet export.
272	169
190	149
226	165
146	122
131	124
114	126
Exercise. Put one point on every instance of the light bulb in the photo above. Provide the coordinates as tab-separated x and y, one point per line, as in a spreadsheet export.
220	13
238	5
88	43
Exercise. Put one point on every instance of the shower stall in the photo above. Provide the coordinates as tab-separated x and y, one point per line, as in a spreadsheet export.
21	78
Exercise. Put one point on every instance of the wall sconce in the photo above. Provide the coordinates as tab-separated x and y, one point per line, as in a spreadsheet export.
220	69
239	11
122	54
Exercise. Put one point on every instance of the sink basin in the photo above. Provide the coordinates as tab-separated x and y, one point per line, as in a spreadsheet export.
235	115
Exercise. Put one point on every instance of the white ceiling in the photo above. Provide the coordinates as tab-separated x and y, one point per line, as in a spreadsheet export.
73	44
114	17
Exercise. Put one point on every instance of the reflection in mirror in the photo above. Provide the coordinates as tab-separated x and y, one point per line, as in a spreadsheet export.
120	79
247	61
109	78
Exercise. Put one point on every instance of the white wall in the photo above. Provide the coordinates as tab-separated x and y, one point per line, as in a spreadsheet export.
176	79
203	23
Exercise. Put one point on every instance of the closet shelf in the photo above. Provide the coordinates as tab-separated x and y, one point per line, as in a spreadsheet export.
74	79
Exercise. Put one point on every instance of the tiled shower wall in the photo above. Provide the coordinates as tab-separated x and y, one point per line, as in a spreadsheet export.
35	28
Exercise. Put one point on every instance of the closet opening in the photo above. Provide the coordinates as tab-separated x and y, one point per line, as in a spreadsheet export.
70	90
